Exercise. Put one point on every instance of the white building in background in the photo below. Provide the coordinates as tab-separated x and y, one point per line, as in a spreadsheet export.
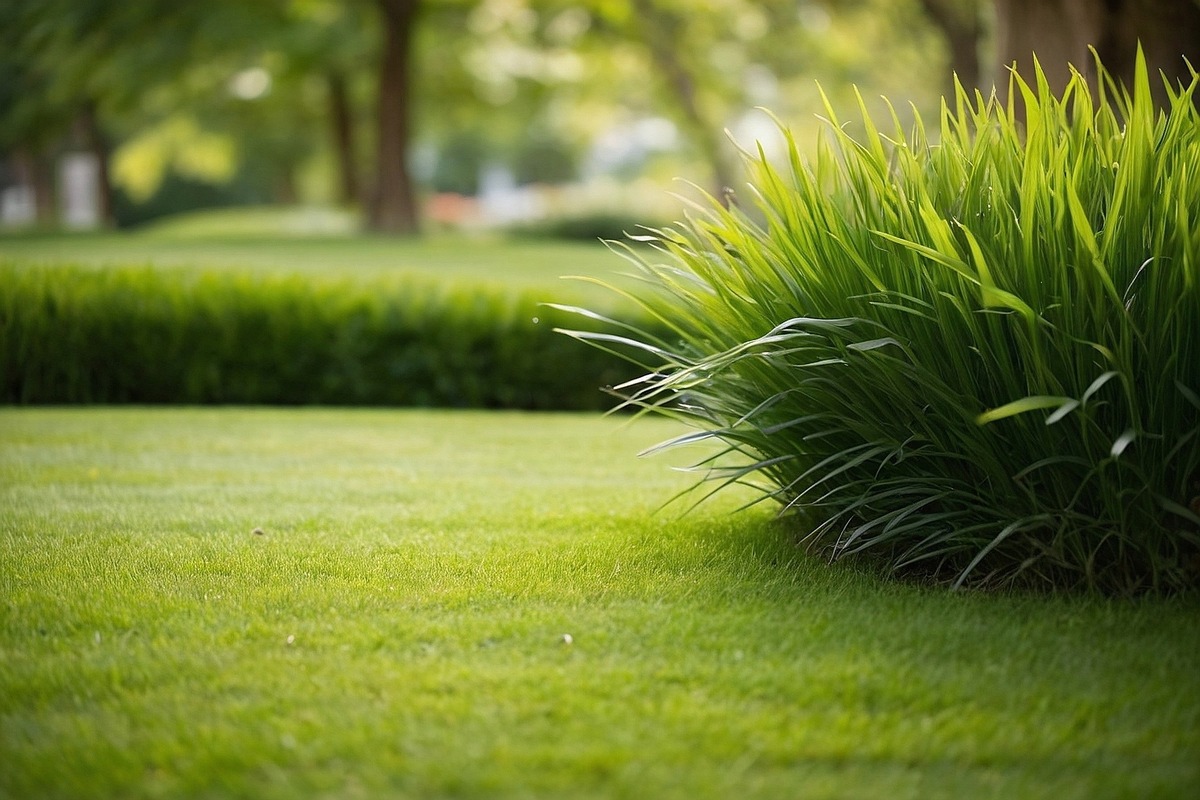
79	191
503	202
626	146
18	206
79	201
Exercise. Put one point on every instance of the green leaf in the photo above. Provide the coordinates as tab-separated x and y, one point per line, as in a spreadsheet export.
1024	405
1062	411
1123	441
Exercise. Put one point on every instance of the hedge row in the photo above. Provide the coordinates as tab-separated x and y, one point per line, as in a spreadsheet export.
137	335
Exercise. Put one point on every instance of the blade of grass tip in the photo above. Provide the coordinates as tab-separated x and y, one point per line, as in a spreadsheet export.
1096	385
1122	443
1183	442
597	339
736	477
1022	406
991	295
874	142
875	344
1083	231
1062	411
1052	461
678	441
1181	511
638	301
869	451
588	314
1188	394
956	264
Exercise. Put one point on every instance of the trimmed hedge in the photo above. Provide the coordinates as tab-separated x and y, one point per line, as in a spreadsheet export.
137	335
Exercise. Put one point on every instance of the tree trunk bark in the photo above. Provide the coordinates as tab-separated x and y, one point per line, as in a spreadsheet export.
1059	32
660	36
393	203
1169	31
342	118
961	27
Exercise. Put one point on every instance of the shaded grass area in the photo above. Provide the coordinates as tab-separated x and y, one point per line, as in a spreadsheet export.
396	630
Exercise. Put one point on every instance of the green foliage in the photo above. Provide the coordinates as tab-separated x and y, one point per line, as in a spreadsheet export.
71	335
976	359
592	227
458	165
179	194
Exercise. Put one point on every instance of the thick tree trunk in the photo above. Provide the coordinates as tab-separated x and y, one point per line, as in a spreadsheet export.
1169	31
661	36
393	206
342	119
1059	33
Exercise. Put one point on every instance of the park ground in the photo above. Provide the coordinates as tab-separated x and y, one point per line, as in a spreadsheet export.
264	602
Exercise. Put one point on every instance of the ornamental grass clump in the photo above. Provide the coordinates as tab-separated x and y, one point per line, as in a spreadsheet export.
973	352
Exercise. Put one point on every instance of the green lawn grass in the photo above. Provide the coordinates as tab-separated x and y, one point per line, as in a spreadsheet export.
492	262
396	630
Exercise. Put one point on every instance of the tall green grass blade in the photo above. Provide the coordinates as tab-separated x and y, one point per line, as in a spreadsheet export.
843	338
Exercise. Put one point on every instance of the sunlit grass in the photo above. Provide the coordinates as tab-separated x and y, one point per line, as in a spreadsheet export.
969	353
396	629
456	261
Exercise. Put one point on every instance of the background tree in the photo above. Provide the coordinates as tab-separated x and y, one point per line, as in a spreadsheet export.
513	81
961	23
29	129
393	207
326	47
86	69
1061	34
1060	31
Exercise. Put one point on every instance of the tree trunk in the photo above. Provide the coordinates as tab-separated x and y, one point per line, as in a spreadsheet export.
36	171
960	25
286	193
393	202
342	119
45	199
1169	31
661	36
1059	32
87	127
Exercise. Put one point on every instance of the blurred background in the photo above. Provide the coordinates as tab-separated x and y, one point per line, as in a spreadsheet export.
408	116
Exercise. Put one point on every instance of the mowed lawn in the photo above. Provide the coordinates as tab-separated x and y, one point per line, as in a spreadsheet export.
538	267
297	603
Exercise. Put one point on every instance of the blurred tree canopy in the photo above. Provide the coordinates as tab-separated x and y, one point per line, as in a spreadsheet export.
371	102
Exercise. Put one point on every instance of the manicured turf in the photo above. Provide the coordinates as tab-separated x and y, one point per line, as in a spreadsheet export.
535	266
396	630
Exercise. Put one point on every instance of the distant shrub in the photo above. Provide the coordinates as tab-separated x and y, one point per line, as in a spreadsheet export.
582	227
70	335
974	355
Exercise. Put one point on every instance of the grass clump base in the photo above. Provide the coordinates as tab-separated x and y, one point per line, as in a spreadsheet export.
976	359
